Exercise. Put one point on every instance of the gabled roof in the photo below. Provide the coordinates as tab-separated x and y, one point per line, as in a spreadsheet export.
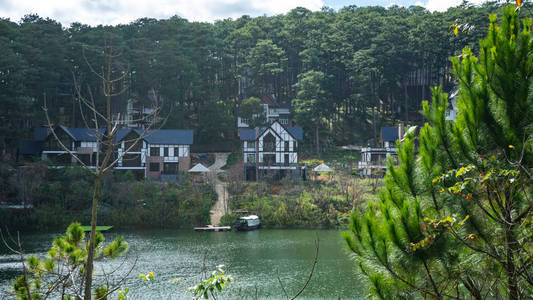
169	136
40	133
29	147
84	134
389	134
250	134
121	134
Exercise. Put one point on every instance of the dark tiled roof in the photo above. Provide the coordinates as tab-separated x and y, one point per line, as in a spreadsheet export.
389	134
169	136
296	132
40	133
84	134
285	105
29	147
121	133
249	134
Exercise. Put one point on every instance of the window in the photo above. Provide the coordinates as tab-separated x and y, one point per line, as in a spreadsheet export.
251	145
176	151
170	168
131	160
166	151
269	159
284	121
154	151
154	167
269	143
286	146
250	158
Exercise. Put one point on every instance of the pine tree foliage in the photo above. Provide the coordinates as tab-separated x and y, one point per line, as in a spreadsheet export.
60	274
456	219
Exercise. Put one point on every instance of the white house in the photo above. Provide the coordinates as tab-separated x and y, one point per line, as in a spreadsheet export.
451	112
159	153
81	141
271	150
374	159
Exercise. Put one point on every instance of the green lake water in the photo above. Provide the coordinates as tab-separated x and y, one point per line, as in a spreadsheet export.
254	259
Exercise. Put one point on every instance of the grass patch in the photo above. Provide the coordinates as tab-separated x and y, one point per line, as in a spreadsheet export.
333	158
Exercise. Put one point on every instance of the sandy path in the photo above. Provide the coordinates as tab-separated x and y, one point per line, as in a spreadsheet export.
221	206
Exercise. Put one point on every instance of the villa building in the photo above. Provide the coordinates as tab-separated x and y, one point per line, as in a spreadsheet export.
374	159
273	111
158	154
272	152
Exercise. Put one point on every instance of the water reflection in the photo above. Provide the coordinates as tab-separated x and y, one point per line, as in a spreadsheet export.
255	260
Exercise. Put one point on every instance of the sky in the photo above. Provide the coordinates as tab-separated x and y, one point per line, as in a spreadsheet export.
112	12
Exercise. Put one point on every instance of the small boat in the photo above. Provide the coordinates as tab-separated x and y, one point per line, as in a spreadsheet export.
98	228
247	223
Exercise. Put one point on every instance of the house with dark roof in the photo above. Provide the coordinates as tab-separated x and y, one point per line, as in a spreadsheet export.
374	159
271	151
273	111
30	150
84	142
154	153
167	151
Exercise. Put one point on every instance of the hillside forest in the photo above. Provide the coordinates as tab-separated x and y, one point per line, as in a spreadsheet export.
345	73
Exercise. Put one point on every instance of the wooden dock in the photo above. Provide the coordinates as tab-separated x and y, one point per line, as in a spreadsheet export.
213	228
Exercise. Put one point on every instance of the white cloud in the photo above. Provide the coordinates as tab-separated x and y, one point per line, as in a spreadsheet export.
114	12
443	5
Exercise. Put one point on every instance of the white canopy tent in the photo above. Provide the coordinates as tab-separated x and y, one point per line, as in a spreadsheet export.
322	168
199	168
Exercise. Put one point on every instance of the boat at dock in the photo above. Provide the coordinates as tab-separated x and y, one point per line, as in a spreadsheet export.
247	223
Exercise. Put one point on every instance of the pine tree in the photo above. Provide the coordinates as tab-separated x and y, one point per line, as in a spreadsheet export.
456	219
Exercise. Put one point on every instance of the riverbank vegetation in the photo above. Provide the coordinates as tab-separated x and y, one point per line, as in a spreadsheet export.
322	203
61	196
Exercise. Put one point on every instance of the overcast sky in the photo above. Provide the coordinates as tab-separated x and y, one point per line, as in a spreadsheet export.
94	12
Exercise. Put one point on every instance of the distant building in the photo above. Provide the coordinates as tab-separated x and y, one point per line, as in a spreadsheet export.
159	154
273	111
81	141
374	159
136	113
272	152
451	112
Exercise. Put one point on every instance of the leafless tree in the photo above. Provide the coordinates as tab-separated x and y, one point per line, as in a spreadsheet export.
105	139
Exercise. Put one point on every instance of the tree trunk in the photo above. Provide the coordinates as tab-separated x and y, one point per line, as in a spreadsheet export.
406	104
317	138
510	269
374	125
90	255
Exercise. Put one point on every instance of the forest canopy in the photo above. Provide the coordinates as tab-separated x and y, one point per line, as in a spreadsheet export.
371	66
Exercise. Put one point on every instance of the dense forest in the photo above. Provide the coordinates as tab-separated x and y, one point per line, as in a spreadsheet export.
344	72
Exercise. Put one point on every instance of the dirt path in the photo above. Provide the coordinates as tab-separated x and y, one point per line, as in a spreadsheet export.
221	206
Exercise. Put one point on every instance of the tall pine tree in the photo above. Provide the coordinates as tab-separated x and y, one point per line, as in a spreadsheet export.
456	219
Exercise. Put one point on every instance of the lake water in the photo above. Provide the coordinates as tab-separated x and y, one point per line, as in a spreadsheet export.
254	259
